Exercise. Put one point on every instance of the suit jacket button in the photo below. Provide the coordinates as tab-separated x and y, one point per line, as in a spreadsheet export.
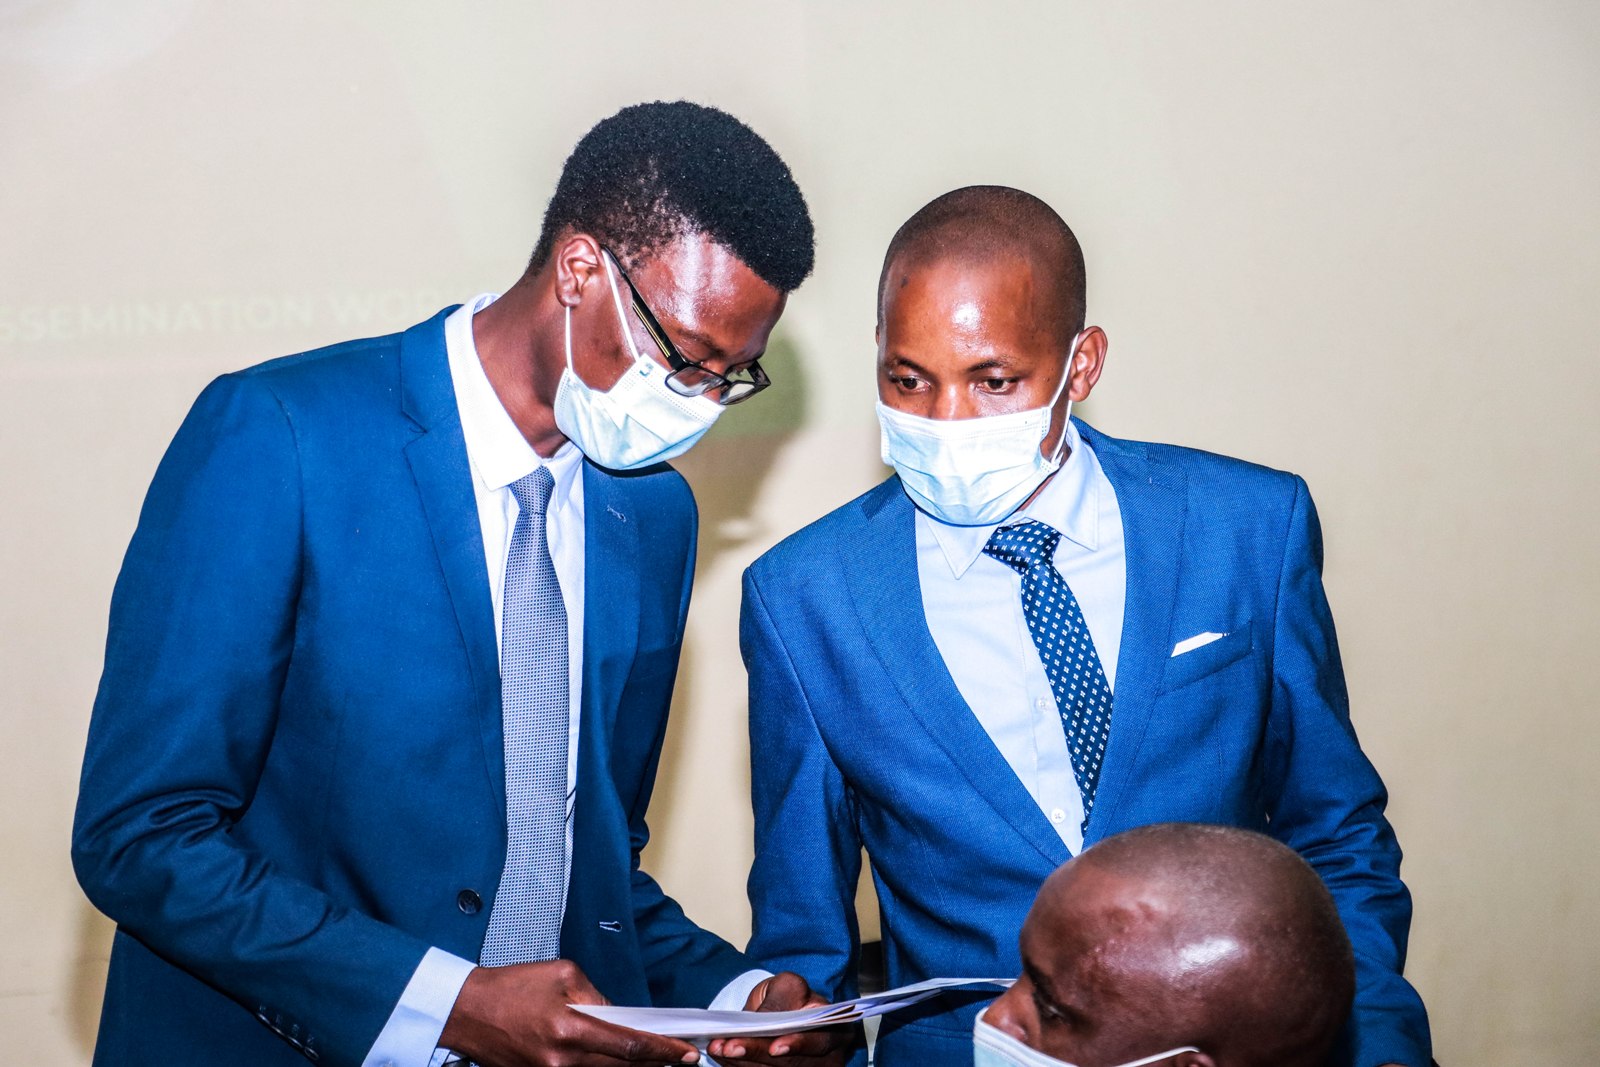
469	902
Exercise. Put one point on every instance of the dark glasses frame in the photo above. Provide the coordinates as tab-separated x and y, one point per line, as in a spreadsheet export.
686	377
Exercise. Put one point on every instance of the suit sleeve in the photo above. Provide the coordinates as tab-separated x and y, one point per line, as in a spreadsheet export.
808	842
202	632
684	964
1326	801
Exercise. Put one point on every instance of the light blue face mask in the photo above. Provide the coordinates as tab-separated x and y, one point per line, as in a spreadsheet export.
973	472
993	1047
640	420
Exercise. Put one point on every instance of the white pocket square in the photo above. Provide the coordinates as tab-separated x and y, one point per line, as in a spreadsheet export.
1189	644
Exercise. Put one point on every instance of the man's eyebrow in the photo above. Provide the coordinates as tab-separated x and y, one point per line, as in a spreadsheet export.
695	345
1001	362
1043	989
684	333
907	362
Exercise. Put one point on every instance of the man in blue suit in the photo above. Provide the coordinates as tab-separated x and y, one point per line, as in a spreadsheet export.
391	652
1032	637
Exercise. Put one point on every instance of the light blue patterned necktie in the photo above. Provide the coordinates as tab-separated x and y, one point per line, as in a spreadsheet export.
1076	675
525	923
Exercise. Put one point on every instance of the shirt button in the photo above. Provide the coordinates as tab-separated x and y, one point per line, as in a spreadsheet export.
1058	816
469	902
1041	703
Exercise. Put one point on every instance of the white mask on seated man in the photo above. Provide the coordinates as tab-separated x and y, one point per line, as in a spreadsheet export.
996	1048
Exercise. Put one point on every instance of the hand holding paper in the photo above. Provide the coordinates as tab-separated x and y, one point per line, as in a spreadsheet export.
518	1014
700	1024
786	991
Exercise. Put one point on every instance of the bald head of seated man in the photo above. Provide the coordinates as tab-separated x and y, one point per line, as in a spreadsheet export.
1176	944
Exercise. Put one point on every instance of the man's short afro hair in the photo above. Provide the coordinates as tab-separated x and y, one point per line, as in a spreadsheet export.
655	172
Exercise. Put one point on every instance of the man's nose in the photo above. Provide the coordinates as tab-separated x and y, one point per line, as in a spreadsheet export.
1009	1012
952	403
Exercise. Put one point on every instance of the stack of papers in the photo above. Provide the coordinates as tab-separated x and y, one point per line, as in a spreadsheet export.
703	1024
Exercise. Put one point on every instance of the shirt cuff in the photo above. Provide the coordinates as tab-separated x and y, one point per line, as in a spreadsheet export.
736	992
411	1036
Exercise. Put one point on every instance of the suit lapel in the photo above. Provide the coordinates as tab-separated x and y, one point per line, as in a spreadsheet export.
888	596
597	892
1152	498
438	461
612	576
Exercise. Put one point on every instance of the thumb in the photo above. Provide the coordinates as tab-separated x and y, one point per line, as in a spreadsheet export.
582	991
783	992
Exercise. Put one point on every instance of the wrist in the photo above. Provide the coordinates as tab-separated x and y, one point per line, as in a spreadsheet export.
462	1025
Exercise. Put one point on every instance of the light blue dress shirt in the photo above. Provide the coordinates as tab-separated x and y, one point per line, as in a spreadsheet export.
973	604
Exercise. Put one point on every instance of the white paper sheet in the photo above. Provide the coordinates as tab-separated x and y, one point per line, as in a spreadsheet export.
702	1024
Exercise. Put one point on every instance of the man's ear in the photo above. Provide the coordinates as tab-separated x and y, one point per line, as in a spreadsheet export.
578	267
1088	360
1193	1059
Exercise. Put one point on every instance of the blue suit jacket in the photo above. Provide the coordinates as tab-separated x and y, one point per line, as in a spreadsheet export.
861	738
294	780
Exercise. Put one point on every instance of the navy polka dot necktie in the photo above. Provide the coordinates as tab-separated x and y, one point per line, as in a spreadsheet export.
1065	648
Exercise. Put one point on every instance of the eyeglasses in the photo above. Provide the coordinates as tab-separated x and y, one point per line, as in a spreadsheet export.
688	378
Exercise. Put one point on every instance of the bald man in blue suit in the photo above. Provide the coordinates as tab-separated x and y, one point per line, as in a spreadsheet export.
1032	637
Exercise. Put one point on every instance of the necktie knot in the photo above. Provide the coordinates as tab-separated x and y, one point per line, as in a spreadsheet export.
1024	545
533	491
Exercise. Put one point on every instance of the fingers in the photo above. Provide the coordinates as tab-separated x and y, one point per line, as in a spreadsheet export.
784	992
788	1050
627	1046
521	1015
748	1050
617	1043
810	1043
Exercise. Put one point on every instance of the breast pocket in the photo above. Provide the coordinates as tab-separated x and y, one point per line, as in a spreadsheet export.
1197	663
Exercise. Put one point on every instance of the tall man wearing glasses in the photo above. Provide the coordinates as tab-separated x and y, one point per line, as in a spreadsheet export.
1036	635
392	649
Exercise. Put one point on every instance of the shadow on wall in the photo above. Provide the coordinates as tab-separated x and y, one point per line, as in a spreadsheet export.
728	468
87	976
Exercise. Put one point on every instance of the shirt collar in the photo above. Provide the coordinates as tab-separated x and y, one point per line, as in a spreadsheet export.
496	449
1069	502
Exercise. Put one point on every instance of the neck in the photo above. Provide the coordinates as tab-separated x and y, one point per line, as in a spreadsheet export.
519	341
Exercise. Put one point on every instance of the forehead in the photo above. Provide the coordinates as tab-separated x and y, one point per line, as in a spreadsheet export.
1097	933
709	301
994	301
1105	952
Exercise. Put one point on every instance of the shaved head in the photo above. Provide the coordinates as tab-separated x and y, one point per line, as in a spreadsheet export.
987	225
1183	934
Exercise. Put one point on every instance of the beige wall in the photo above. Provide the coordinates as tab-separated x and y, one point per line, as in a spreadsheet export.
1360	241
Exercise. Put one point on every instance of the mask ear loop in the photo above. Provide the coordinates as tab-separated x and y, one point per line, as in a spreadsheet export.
616	302
1066	376
568	325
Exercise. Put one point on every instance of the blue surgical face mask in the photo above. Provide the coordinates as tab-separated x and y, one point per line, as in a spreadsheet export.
640	420
993	1047
973	472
